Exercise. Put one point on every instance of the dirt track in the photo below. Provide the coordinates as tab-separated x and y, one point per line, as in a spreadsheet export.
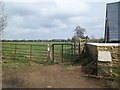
51	76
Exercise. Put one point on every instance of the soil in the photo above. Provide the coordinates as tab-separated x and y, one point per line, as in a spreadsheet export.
51	76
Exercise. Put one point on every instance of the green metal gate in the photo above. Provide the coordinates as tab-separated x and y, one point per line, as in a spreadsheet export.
24	52
62	52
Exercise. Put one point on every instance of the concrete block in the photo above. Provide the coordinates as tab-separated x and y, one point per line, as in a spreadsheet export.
104	56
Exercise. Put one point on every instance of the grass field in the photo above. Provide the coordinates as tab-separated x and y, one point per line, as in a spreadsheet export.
37	43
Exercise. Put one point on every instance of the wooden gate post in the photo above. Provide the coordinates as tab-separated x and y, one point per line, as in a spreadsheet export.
48	54
86	40
79	48
74	47
52	52
71	51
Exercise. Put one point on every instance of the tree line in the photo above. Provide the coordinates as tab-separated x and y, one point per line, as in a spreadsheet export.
53	40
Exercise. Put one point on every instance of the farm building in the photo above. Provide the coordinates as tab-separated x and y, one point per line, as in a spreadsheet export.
112	24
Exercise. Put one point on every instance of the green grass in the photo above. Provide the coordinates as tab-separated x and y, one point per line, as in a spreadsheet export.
115	73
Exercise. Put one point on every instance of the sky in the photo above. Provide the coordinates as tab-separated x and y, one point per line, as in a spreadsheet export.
53	19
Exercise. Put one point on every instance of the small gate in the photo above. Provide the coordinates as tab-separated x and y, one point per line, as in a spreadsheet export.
62	52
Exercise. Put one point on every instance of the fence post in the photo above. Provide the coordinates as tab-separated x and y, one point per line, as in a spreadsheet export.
86	40
48	55
71	52
15	51
79	47
74	47
30	52
65	47
62	53
52	52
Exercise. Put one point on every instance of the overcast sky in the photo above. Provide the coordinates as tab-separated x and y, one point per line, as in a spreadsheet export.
53	19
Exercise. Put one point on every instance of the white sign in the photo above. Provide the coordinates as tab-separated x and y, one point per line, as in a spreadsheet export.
104	56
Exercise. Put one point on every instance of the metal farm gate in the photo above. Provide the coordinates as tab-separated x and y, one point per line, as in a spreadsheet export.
24	52
62	52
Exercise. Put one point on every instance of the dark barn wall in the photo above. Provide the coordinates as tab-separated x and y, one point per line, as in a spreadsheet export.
112	28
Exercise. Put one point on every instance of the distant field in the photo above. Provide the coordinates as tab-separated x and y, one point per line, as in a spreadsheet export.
35	42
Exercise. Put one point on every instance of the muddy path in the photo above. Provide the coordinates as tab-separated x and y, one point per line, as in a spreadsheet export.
51	76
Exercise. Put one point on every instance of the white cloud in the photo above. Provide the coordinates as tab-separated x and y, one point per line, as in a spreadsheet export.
52	19
71	7
59	0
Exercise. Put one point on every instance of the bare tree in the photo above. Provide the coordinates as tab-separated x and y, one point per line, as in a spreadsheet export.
3	18
2	26
79	32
